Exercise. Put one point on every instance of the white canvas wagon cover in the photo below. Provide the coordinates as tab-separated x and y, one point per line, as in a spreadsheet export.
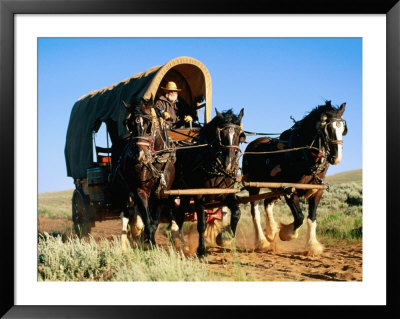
106	105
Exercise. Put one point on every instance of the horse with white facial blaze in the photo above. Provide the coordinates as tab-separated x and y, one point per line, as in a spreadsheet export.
302	154
143	165
213	166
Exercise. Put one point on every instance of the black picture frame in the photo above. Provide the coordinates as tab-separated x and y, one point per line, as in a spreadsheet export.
8	10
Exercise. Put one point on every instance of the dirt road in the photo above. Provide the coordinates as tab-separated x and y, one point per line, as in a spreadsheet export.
340	261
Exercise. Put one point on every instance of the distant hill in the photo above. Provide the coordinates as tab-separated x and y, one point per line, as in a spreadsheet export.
55	204
345	177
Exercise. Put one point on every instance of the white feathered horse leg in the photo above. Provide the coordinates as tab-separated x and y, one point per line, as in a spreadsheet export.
272	228
261	243
137	228
313	247
124	233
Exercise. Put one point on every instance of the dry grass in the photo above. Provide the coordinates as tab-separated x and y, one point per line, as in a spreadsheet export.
55	204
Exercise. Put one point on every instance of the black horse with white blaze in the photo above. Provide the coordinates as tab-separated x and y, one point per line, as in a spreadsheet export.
302	154
213	166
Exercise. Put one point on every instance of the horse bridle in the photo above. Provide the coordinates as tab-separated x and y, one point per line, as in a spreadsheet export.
145	139
323	134
221	146
225	127
324	128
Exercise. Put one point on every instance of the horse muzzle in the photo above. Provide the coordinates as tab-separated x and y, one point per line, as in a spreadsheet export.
143	146
232	159
335	148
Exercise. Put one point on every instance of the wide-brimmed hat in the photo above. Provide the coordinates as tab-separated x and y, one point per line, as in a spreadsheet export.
171	86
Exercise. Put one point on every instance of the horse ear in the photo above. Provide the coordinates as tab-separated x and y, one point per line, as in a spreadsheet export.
219	114
240	115
342	108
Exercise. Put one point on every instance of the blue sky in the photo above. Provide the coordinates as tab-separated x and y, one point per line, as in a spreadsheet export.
271	78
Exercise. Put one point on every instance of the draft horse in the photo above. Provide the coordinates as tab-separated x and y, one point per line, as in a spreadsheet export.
302	154
143	165
212	166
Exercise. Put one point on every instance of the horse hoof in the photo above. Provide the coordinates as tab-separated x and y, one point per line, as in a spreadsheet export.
224	239
201	252
263	246
314	249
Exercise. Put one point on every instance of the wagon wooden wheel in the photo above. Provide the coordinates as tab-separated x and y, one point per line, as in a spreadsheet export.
80	213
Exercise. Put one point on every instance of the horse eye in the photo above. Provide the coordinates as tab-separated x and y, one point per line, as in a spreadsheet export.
137	120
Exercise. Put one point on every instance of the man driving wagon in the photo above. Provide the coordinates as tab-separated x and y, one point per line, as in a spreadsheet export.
176	112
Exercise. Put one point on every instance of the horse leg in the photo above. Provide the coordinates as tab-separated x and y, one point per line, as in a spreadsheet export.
313	247
156	208
180	219
290	231
201	227
137	227
177	236
135	223
226	237
143	206
235	213
271	229
124	232
261	243
173	228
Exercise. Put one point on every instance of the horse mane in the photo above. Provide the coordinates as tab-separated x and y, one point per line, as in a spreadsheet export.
137	108
315	115
230	117
227	117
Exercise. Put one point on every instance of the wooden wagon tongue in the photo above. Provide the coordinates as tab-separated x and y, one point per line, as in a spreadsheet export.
283	185
277	191
200	191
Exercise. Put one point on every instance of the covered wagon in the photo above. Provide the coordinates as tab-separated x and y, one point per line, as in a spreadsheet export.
90	166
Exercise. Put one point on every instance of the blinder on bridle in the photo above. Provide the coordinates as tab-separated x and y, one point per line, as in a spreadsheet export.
145	124
222	131
141	119
325	124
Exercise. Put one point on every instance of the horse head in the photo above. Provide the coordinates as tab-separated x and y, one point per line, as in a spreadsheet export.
228	132
142	124
331	127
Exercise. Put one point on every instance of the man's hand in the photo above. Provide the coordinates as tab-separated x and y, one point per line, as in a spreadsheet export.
166	115
188	118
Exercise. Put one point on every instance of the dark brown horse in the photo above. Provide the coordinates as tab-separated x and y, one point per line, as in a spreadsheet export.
213	166
143	165
302	154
